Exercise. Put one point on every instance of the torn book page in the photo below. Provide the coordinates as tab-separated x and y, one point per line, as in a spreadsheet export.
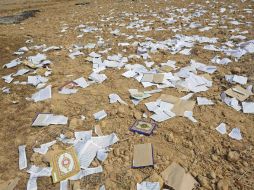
100	115
222	128
44	147
42	94
189	115
86	172
49	119
148	186
86	153
64	185
81	82
236	134
204	101
105	141
22	157
113	98
248	107
83	135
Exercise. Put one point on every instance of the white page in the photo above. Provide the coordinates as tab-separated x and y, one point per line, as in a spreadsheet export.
102	154
100	115
129	74
64	185
21	72
105	141
160	117
42	94
222	128
113	98
204	101
86	172
68	91
189	115
87	154
32	183
83	135
8	78
44	147
13	63
22	157
57	120
39	171
235	134
240	79
148	186
81	82
248	107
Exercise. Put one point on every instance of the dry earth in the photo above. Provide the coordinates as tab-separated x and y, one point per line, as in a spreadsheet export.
196	146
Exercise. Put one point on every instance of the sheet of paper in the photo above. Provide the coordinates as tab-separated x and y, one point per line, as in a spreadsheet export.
64	185
148	186
204	101
42	94
32	183
100	115
35	80
102	154
21	72
236	134
83	135
86	172
44	147
113	98
48	119
81	82
13	63
248	107
189	115
68	91
22	157
105	141
87	154
222	128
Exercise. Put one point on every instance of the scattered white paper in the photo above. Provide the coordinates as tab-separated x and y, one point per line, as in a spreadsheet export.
248	107
148	186
235	134
44	147
222	128
64	185
22	157
43	94
86	172
189	115
81	82
113	98
50	119
100	115
204	101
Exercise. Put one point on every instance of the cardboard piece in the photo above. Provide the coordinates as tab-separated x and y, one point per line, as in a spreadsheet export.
143	127
143	155
64	164
238	92
175	177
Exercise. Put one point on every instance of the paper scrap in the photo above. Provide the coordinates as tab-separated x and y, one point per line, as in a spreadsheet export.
222	128
100	115
44	147
49	119
236	134
248	107
22	157
86	172
148	186
204	101
42	94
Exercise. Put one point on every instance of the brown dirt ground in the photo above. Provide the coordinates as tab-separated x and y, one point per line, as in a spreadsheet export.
180	140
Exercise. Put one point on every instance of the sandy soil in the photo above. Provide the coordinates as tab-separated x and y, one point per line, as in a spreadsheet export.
197	147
